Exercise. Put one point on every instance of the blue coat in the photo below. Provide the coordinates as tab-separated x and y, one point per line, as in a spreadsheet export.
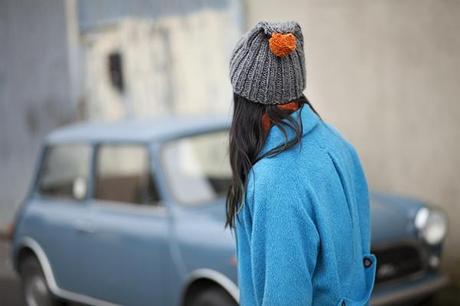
303	233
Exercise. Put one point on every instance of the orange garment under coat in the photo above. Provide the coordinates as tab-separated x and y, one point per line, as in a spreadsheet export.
266	122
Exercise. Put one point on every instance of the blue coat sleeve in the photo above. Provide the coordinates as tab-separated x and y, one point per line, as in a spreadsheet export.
284	244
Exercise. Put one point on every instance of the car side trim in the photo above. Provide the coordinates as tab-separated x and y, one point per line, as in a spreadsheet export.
51	281
218	278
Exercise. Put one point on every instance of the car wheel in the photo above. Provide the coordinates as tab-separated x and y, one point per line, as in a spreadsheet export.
34	286
214	296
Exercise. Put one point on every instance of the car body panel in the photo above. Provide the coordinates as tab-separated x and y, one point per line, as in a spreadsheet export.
52	224
129	243
400	212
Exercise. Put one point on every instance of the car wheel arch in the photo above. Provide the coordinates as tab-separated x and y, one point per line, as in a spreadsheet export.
201	279
29	247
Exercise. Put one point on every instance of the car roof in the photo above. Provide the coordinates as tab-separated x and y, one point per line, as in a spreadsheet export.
138	130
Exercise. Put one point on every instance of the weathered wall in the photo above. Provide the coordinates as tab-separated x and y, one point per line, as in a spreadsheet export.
387	74
171	64
34	89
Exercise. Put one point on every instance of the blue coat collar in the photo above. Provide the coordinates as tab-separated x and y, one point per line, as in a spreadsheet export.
275	135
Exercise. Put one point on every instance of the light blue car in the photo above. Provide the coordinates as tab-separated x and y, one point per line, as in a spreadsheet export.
132	213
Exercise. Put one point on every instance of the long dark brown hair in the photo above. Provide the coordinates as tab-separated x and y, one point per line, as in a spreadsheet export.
246	141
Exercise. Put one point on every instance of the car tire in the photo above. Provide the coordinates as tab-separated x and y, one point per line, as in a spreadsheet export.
214	296
34	286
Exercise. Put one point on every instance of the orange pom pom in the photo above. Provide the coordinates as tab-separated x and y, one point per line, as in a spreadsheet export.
282	44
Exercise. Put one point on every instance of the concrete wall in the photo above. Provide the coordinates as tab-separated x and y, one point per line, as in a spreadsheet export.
387	74
35	92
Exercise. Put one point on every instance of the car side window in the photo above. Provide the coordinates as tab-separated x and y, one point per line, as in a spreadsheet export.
123	175
197	167
64	171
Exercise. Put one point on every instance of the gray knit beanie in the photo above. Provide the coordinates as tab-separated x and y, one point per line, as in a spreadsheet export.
268	64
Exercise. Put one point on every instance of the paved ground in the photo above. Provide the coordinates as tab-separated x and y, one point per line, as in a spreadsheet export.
10	292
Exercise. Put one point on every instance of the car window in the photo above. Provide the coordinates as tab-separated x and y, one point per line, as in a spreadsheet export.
64	171
122	175
197	167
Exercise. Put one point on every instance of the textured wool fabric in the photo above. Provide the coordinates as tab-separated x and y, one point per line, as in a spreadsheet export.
303	232
261	76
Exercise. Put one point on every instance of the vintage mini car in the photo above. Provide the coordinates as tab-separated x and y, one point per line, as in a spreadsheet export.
132	213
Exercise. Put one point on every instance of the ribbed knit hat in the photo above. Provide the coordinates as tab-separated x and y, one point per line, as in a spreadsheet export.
268	63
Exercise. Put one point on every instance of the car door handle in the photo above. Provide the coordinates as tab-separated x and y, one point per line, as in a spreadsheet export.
84	227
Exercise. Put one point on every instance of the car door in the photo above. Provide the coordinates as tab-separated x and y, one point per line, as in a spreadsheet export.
59	211
128	254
